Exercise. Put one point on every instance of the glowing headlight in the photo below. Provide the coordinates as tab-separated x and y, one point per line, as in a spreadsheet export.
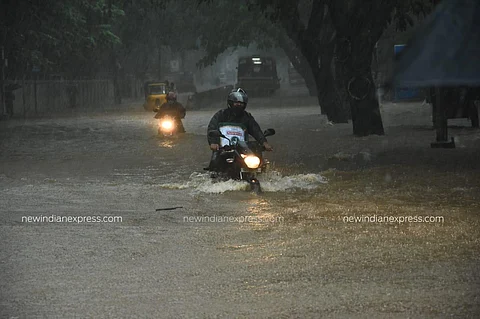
252	161
166	125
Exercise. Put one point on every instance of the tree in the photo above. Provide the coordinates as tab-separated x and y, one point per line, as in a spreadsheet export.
359	25
354	49
226	24
348	30
67	36
298	61
314	37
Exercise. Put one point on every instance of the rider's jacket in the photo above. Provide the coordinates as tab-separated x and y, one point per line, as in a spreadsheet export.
174	109
244	120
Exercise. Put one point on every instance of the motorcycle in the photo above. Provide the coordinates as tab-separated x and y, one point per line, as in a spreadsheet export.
170	126
241	160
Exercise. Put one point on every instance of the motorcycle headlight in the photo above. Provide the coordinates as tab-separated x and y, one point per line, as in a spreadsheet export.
166	125
252	161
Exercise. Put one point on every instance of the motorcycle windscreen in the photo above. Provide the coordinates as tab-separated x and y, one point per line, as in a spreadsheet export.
233	132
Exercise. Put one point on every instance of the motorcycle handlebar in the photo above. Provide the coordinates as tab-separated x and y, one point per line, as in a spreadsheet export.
232	147
226	148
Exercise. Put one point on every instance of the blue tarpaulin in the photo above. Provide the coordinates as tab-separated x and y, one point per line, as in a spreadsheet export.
403	93
445	51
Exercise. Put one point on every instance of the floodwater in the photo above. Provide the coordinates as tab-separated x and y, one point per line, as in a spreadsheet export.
336	232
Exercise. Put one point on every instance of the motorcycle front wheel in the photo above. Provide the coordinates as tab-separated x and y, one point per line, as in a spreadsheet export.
255	187
254	184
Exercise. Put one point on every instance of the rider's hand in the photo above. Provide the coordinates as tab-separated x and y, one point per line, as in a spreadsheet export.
267	146
214	147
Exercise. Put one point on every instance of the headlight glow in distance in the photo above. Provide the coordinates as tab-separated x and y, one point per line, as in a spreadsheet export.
167	125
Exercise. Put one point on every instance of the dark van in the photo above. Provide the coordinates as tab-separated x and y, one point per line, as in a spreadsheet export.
258	75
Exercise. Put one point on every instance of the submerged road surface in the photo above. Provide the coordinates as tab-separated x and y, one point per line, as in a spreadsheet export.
101	218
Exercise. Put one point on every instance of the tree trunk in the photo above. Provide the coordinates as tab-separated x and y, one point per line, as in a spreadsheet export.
329	99
328	95
300	65
366	117
327	92
340	84
359	25
307	75
359	84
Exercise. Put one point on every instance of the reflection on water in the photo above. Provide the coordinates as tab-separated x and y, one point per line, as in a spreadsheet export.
263	213
166	143
257	204
182	140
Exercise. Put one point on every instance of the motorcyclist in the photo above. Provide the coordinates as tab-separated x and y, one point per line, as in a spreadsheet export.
236	115
174	109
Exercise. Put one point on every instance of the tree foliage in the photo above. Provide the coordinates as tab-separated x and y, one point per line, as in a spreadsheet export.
76	37
230	24
57	36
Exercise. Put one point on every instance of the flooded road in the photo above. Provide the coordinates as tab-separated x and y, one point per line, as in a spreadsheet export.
337	232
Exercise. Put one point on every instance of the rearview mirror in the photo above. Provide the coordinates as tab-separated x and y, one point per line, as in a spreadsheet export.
269	132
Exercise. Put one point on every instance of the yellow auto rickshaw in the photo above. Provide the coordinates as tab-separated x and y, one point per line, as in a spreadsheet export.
155	95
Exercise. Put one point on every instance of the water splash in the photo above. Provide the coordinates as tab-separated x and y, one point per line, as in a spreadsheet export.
270	182
204	183
274	182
